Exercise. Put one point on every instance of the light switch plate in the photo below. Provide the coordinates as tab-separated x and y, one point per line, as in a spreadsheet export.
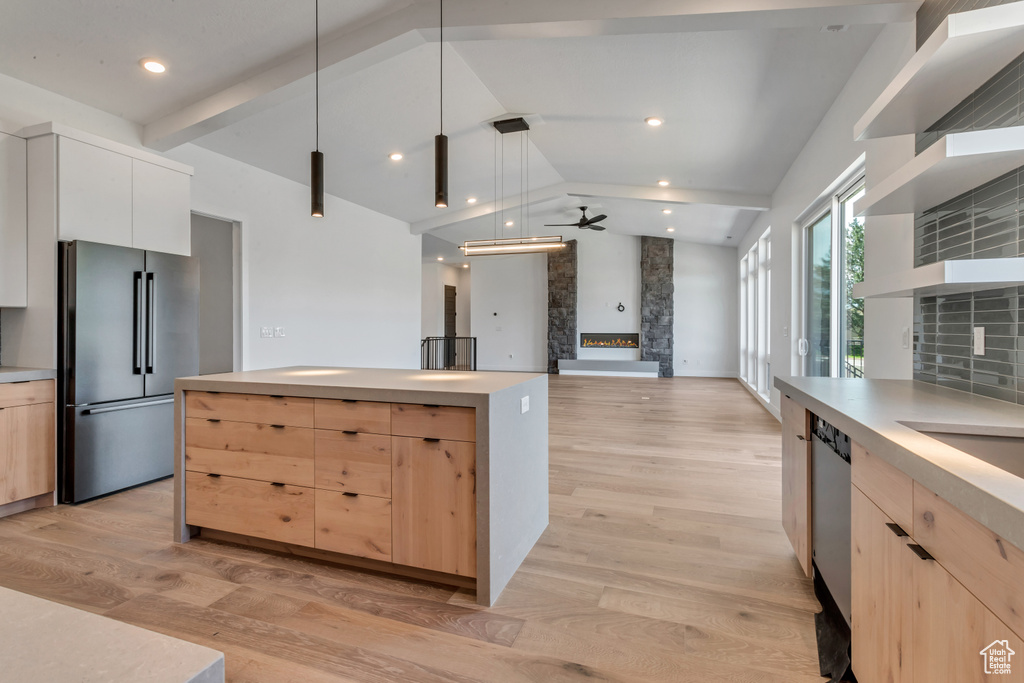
266	332
979	341
278	331
906	337
524	404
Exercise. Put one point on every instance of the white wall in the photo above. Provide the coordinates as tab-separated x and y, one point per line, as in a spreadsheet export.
464	302
516	288
706	311
830	151
608	273
345	287
435	277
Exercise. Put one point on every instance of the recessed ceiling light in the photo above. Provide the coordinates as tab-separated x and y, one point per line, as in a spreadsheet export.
670	229
666	211
152	65
509	224
663	183
653	121
440	258
465	265
471	200
395	156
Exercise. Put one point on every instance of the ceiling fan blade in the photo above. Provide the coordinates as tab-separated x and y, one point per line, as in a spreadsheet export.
597	227
596	219
561	225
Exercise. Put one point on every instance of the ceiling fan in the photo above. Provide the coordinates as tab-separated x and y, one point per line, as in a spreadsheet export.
583	224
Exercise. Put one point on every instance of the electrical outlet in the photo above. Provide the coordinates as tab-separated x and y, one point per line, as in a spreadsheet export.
979	341
278	331
524	404
266	332
906	337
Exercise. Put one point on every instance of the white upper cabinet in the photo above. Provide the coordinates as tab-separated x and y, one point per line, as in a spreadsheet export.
13	223
106	193
160	209
94	194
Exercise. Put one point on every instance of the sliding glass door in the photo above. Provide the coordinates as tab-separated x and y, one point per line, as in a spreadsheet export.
833	339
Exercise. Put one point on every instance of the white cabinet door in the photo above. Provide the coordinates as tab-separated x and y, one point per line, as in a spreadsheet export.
94	194
13	223
161	219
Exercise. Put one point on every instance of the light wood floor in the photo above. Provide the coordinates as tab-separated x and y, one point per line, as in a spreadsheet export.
664	561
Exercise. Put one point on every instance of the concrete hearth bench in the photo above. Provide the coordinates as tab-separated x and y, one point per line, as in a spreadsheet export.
609	368
45	642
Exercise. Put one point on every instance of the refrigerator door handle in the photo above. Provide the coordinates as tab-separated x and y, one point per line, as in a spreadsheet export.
137	326
114	409
150	318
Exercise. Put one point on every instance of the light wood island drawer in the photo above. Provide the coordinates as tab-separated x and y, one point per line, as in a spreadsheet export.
354	416
887	487
251	451
452	423
276	512
353	462
26	393
353	524
273	410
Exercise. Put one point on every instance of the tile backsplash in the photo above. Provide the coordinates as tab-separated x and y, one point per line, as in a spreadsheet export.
983	223
943	342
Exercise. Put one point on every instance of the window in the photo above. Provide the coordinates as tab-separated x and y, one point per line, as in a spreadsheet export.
755	315
833	339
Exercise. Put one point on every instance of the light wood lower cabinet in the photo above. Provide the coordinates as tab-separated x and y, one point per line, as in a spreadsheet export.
27	440
796	479
927	605
434	493
318	476
353	524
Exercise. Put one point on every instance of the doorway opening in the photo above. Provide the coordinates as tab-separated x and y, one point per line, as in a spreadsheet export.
216	243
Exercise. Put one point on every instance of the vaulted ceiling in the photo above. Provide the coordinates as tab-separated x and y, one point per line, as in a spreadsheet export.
741	87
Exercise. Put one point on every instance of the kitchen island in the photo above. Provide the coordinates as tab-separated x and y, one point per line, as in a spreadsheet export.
432	474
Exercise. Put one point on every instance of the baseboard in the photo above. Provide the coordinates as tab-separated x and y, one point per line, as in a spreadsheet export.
765	404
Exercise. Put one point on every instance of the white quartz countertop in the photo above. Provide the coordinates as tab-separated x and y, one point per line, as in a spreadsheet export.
45	642
376	384
11	373
872	413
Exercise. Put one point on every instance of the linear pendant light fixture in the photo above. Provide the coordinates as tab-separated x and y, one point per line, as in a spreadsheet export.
441	140
316	182
524	244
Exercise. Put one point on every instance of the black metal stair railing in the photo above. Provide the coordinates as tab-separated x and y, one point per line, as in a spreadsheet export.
448	353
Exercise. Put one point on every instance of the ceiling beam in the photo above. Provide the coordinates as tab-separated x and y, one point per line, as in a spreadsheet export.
661	195
405	29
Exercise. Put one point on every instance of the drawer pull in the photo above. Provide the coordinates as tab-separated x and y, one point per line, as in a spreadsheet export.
210	419
432	440
23	381
920	552
801	437
273	396
276	483
277	426
350	494
349	400
897	529
215	476
348	431
427	405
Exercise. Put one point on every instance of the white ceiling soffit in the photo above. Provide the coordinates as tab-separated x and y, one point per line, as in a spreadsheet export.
372	40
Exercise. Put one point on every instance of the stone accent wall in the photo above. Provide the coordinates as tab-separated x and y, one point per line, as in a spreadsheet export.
657	302
562	283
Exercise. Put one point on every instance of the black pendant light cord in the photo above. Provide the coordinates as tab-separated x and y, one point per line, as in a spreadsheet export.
317	72
440	12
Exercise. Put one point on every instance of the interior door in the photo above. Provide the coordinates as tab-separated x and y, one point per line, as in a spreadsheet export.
172	321
102	341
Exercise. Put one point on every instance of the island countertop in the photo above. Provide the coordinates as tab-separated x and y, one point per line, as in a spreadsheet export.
369	384
873	412
10	374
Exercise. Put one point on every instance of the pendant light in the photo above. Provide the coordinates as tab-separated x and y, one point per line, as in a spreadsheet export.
524	244
316	158
441	140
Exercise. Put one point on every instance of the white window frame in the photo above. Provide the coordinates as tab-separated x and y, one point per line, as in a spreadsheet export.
755	316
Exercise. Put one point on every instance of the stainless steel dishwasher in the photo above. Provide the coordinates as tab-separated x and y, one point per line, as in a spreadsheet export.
830	510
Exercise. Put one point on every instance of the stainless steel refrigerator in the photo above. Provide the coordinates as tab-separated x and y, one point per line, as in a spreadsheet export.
129	326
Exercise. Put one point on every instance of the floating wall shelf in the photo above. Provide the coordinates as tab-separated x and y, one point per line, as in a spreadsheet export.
967	49
945	277
955	164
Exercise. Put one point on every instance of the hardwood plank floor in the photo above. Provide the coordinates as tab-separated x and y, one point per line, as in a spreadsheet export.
664	561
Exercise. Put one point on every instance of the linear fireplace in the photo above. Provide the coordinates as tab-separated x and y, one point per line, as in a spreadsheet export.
609	341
